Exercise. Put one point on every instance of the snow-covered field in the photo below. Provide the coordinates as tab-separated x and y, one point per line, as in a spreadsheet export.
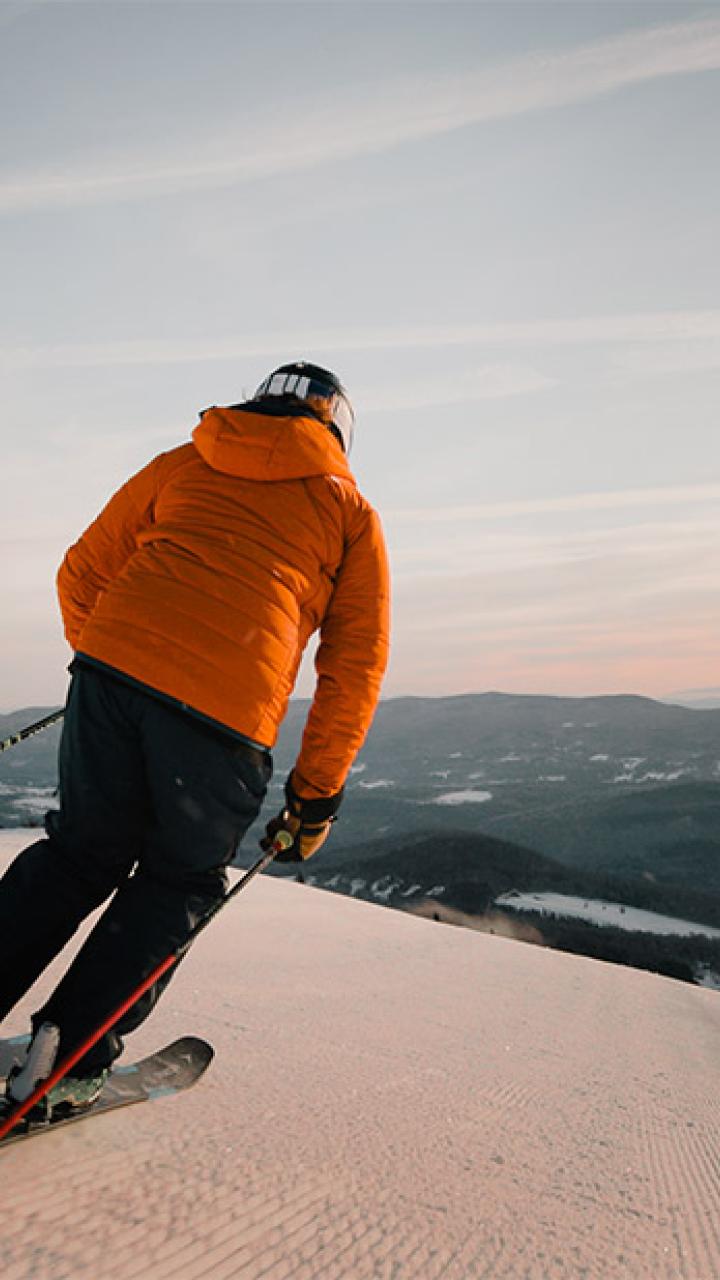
390	1098
461	797
599	912
27	803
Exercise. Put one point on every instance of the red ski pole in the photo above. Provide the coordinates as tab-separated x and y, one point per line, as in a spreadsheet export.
283	840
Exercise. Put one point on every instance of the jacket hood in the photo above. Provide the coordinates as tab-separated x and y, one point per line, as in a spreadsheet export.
259	446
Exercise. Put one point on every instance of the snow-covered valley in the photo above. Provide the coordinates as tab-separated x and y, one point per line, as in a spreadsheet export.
603	913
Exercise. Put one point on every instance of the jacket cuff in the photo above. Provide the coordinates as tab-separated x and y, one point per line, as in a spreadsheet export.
322	809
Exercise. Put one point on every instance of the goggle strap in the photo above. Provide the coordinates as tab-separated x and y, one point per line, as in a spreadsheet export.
301	386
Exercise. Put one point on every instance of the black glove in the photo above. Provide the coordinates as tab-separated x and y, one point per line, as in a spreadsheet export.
307	821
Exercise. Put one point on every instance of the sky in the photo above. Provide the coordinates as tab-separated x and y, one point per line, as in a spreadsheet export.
496	222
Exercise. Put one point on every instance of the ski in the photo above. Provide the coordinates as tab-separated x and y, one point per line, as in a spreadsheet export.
172	1069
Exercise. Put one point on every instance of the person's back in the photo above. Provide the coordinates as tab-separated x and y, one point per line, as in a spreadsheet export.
188	603
218	562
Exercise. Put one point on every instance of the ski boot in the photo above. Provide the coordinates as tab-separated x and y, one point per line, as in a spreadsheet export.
71	1095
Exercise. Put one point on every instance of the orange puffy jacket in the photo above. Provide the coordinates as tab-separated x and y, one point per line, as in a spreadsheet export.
205	575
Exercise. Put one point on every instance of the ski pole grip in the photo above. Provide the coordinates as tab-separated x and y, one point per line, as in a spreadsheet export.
283	840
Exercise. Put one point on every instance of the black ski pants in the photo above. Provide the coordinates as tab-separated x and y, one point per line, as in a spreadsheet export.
152	805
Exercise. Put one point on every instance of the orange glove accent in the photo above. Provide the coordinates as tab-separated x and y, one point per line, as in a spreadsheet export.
306	840
307	821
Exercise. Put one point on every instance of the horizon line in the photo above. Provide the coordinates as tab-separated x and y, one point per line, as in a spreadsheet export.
664	699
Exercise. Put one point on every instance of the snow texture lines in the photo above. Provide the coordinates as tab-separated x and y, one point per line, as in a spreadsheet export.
391	1100
680	1162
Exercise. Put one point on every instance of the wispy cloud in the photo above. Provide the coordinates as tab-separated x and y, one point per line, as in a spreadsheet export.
643	612
603	592
680	495
656	361
368	121
502	549
553	594
677	327
488	382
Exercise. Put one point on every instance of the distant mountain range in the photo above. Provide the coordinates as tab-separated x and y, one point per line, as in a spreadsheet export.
624	787
698	698
621	785
454	802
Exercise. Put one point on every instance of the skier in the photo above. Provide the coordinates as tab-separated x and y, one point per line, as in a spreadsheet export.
188	604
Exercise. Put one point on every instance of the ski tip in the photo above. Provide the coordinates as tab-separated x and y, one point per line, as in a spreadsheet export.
200	1049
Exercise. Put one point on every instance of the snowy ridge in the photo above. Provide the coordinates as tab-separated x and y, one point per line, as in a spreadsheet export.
390	1098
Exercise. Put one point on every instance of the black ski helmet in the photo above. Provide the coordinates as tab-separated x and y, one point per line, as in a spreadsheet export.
322	391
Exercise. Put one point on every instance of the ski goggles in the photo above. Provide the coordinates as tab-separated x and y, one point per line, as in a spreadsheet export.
303	387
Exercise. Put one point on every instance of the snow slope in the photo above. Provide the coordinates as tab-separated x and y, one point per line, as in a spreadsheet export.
390	1098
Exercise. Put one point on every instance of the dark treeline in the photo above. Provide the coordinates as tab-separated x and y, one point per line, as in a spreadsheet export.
475	868
670	954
